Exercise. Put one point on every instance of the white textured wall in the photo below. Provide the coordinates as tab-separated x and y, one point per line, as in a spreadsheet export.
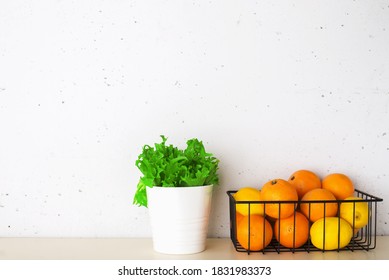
269	86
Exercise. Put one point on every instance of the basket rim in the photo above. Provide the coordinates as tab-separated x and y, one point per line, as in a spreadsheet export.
369	198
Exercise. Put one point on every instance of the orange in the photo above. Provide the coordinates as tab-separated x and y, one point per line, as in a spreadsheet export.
239	217
317	210
292	232
248	194
339	184
260	235
304	181
279	190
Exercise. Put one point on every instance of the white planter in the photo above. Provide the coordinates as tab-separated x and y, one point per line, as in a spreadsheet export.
179	218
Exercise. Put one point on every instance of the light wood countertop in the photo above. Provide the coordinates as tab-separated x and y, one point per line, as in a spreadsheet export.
141	249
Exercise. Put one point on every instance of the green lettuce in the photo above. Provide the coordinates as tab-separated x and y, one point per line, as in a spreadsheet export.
167	166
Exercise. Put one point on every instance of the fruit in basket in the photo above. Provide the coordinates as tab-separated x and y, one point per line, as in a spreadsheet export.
279	190
304	181
248	194
254	232
317	210
239	217
355	213
331	233
293	231
339	184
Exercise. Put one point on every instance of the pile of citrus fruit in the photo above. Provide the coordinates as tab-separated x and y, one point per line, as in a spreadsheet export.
326	211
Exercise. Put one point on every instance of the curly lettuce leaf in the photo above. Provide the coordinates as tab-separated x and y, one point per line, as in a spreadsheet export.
167	166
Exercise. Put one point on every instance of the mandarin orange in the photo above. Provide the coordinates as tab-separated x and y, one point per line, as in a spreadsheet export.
321	208
304	181
279	190
293	231
254	232
339	184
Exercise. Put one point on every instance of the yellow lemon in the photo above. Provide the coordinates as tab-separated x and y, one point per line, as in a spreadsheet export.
248	194
356	213
331	233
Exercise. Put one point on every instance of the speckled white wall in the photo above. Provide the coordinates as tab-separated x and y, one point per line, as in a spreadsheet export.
269	86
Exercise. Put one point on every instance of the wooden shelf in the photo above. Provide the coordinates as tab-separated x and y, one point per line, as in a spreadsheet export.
141	249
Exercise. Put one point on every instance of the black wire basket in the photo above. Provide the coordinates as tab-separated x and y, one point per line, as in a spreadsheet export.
363	238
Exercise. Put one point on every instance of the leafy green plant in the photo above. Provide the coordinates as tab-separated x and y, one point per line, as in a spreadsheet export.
168	166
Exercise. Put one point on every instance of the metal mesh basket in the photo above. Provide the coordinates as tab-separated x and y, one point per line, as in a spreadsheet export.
363	238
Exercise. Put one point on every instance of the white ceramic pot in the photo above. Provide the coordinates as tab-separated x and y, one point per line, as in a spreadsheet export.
179	218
